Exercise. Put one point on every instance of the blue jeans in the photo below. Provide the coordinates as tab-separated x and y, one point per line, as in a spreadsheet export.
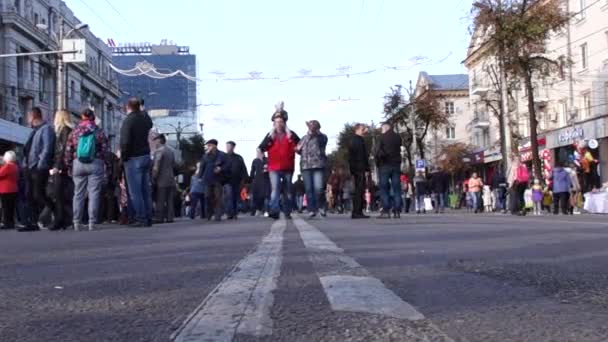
440	200
300	202
314	182
280	183
390	176
140	192
232	194
195	199
476	197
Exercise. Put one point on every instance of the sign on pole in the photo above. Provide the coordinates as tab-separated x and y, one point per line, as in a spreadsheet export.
420	165
77	45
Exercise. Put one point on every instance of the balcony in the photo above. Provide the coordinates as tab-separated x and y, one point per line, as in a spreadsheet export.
480	89
481	120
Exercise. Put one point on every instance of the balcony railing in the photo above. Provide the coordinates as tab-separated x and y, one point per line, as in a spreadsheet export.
481	120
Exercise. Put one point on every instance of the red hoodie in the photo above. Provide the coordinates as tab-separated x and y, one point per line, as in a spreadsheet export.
281	151
9	177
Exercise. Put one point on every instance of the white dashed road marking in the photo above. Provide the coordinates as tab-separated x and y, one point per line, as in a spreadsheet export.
348	286
241	303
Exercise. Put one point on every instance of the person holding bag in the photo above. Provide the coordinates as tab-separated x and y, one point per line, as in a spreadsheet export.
519	177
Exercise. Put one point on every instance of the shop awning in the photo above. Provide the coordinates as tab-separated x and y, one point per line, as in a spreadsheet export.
13	132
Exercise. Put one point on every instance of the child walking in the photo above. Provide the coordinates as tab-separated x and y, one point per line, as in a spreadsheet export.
537	197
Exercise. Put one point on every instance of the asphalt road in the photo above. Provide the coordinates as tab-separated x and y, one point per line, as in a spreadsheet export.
450	277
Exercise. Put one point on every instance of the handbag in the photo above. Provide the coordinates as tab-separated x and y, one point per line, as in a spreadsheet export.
428	204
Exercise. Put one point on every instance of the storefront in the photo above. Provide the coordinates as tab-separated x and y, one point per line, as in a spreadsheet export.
584	145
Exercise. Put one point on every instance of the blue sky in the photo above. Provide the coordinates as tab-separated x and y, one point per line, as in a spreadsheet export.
281	37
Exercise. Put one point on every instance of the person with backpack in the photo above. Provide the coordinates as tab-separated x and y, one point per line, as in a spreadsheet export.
84	158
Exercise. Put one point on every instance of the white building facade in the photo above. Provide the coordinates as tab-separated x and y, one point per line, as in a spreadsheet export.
25	82
452	92
571	106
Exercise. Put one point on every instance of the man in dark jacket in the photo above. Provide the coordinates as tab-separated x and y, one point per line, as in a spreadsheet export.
213	170
39	152
234	180
388	158
358	160
135	153
440	183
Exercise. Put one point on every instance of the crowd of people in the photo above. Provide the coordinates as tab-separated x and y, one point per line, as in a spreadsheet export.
68	178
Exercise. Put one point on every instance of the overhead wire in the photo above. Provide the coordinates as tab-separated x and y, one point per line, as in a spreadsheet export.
120	15
99	17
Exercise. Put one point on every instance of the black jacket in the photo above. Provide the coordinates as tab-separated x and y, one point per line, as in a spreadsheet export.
60	146
440	182
388	152
134	135
358	157
237	170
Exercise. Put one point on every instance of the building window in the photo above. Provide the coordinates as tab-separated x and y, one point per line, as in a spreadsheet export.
564	110
72	89
18	6
583	11
36	19
606	97
449	108
586	105
32	70
584	56
450	132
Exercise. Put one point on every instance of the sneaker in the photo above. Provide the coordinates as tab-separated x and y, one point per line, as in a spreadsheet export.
384	215
397	214
323	213
77	226
266	214
312	215
274	216
31	228
91	227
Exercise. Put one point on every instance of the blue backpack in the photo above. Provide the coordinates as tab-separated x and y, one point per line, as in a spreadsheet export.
87	147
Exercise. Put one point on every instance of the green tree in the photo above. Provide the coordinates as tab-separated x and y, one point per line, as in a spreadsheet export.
192	149
516	32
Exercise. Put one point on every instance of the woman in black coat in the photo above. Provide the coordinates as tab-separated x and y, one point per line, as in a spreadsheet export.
260	183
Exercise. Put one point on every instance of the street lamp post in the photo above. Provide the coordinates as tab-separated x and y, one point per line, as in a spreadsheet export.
61	67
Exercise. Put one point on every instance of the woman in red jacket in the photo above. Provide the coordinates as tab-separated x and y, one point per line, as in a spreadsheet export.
280	144
9	176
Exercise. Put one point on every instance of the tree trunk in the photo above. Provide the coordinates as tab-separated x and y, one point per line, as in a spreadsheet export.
533	123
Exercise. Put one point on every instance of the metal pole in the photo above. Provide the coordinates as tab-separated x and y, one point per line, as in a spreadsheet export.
61	74
571	110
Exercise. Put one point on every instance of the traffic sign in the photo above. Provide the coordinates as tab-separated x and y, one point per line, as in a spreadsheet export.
79	46
420	165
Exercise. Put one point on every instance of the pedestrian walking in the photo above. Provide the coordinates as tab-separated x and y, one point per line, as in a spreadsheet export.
197	193
163	178
488	199
439	184
359	168
300	190
500	186
135	153
234	180
388	159
280	144
62	182
260	184
9	187
562	185
408	193
38	151
421	192
84	159
519	177
475	187
575	191
313	163
537	197
213	171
